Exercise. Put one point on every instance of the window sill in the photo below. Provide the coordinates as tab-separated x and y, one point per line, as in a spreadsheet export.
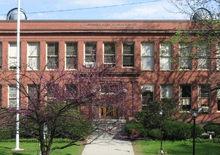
147	70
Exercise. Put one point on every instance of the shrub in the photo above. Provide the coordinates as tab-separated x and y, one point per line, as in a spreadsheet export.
212	127
155	134
198	130
133	127
5	133
176	130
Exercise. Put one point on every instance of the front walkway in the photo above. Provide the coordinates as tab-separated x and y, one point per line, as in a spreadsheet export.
107	144
109	147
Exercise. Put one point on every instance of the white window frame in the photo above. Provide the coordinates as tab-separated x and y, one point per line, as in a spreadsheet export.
201	97
168	89
185	50
30	56
218	56
218	96
185	100
89	64
53	56
147	53
12	59
110	64
128	55
146	88
72	56
12	97
203	55
166	52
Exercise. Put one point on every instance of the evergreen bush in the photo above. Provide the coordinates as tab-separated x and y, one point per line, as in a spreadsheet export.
155	134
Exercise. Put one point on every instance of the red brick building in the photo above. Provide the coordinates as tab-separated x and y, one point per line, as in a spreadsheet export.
148	68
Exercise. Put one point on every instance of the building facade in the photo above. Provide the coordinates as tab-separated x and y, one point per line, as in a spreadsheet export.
138	45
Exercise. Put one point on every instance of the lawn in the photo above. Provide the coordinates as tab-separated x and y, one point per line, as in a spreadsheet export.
150	147
33	149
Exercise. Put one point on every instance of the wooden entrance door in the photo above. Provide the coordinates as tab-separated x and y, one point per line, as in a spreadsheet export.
108	110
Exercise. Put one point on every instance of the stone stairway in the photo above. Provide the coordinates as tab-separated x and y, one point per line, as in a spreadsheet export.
107	129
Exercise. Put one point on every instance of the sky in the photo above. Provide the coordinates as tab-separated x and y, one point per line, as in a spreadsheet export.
94	9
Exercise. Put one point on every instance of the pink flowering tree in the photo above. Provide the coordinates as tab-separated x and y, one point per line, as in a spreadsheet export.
59	103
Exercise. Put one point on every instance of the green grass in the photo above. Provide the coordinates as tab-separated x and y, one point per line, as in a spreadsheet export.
150	147
33	149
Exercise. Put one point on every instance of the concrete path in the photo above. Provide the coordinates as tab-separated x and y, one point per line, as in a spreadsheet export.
109	147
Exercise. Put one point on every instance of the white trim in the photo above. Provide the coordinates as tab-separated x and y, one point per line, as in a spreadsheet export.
36	56
128	55
170	47
148	56
71	56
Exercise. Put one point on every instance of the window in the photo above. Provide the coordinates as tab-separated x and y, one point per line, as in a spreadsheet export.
32	90
128	54
71	95
12	96
204	57
165	56
185	60
33	56
0	96
185	97
218	56
71	55
52	55
218	97
109	54
12	58
166	91
147	56
204	95
90	54
147	95
0	55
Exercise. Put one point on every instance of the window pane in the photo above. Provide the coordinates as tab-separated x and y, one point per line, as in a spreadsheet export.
204	91
52	63
128	60
52	49
218	105
109	48
109	59
165	63
33	63
12	103
166	50
90	48
128	48
71	48
71	63
89	59
185	63
147	49
147	97
13	49
203	63
12	91
33	49
147	62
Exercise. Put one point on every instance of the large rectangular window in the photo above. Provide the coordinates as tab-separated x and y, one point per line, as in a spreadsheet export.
147	95
204	57
109	54
204	98
218	98
12	56
165	56
185	60
147	56
218	56
12	96
52	55
128	54
32	92
33	56
166	91
90	54
71	55
185	97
